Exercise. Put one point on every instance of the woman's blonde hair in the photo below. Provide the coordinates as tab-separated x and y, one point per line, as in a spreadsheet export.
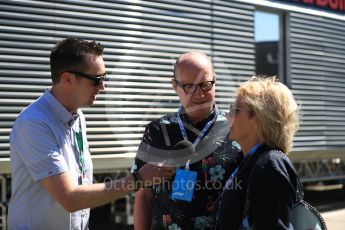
274	108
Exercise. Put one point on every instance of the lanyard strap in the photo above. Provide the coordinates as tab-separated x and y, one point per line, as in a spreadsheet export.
231	178
80	148
202	133
229	181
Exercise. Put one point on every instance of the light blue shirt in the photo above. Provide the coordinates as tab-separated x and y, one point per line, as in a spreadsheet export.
43	144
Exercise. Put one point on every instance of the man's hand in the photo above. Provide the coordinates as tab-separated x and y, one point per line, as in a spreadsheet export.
153	173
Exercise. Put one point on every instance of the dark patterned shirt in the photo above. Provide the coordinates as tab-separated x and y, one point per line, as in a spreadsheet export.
214	159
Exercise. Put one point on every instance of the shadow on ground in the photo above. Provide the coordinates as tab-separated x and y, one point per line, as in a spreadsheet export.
326	200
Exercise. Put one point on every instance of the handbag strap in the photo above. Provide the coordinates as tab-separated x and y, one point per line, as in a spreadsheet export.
299	189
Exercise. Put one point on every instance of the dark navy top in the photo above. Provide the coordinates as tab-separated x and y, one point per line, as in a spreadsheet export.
272	192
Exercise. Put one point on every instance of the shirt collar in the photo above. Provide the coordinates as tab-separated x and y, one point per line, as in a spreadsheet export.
202	123
59	111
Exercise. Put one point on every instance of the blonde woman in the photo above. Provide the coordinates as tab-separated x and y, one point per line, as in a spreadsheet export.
263	120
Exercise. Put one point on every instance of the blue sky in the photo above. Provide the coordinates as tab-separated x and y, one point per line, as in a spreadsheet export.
266	26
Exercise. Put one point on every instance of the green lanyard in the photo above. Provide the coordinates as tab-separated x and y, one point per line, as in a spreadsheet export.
80	147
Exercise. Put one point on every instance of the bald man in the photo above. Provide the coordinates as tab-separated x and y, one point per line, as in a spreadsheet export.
175	204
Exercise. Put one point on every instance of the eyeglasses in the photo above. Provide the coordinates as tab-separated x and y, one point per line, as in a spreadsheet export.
97	79
235	110
191	88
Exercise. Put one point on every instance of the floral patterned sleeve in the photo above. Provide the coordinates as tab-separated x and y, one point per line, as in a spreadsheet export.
142	150
213	169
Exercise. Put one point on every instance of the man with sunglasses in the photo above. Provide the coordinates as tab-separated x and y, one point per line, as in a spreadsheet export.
199	122
50	159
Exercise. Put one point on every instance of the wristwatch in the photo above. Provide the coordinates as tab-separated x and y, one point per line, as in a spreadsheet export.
138	181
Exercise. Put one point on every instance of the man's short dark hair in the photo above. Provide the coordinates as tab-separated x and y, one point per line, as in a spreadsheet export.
69	55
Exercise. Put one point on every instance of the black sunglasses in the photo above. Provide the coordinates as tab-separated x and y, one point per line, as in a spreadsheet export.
97	79
190	88
235	110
